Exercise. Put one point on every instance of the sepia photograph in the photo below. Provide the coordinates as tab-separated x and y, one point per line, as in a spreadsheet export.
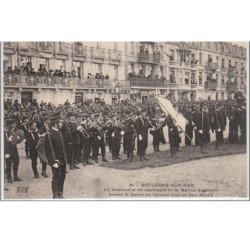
125	120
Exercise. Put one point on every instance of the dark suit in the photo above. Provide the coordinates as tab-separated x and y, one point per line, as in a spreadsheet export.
128	138
116	141
32	139
202	123
141	126
218	124
55	151
13	159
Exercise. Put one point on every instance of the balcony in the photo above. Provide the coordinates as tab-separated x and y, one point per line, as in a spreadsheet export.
10	44
232	87
194	63
211	85
98	53
233	71
122	86
21	81
223	69
80	51
243	71
242	87
10	47
211	65
45	46
172	63
184	64
146	82
145	57
115	55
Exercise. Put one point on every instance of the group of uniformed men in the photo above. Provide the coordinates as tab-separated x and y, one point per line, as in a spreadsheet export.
69	136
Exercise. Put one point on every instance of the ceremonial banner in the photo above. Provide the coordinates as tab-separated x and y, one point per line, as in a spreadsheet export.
168	108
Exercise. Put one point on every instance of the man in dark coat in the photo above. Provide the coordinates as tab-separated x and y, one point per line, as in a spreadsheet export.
142	125
10	150
72	140
243	124
86	144
202	126
189	127
128	137
218	124
174	136
116	140
56	155
32	140
233	116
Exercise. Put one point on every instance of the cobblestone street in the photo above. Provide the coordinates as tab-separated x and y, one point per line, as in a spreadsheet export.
224	176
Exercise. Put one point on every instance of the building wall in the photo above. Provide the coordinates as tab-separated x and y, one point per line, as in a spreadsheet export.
16	54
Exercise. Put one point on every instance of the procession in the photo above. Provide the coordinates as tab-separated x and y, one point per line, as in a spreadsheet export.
71	136
78	108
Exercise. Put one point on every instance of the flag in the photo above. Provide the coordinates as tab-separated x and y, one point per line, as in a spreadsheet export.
168	108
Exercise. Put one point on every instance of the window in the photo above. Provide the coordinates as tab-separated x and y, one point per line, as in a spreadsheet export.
200	58
209	59
223	63
172	76
222	79
217	77
162	71
200	78
171	55
132	68
236	65
192	58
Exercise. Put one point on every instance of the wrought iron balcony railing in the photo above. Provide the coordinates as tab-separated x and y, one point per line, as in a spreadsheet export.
232	87
211	65
211	85
146	82
115	55
55	82
154	58
80	51
98	53
45	46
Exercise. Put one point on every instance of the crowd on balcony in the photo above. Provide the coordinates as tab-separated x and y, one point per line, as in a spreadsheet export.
27	70
98	76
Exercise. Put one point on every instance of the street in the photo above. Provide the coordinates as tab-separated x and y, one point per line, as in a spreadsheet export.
224	176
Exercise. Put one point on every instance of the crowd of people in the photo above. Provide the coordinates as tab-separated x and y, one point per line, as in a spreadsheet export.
28	70
78	134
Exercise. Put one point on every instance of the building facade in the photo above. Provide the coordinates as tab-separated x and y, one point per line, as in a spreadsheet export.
122	70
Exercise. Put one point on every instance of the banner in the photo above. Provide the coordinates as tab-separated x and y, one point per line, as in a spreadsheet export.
168	108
